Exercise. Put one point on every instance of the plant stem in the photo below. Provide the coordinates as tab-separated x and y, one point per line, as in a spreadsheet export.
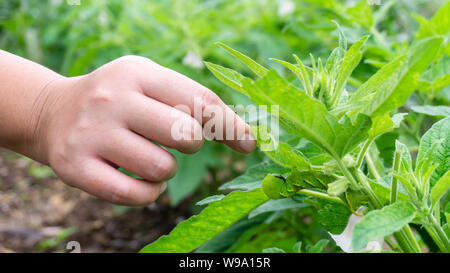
322	196
372	167
435	238
441	234
404	245
346	173
397	157
437	210
411	238
392	245
362	152
367	188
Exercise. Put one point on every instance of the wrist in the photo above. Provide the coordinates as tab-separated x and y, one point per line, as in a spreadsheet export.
44	107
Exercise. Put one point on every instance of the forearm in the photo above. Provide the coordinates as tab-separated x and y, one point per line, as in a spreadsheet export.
22	95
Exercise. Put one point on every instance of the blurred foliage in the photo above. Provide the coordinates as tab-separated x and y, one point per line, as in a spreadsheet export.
76	39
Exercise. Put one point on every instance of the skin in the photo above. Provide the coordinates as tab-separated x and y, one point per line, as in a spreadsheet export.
85	127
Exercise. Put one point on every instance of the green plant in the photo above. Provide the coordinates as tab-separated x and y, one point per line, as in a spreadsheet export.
331	161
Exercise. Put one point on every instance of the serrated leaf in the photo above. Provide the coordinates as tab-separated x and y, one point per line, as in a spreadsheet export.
254	66
276	205
435	146
253	177
332	216
381	223
441	187
391	86
228	76
432	110
279	152
190	234
307	117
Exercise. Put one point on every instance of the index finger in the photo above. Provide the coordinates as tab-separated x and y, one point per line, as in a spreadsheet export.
218	120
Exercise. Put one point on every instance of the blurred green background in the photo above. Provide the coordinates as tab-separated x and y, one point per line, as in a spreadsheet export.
76	39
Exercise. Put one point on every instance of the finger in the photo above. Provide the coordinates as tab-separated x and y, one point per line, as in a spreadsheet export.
170	127
107	183
138	155
175	89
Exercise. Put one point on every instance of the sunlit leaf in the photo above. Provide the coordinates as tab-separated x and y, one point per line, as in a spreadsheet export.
254	66
380	223
190	234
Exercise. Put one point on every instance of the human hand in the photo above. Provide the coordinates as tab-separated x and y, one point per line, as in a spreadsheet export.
92	124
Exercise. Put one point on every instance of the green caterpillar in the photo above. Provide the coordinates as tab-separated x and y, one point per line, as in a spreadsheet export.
277	186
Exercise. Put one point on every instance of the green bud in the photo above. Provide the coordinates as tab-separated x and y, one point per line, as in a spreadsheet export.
337	187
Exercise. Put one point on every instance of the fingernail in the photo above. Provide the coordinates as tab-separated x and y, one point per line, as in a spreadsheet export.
163	187
247	144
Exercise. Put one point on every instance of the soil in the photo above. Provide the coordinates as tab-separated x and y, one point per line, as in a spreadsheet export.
39	213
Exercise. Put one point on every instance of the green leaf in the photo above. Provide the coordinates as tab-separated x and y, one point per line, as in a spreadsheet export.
307	117
381	223
254	66
435	146
319	246
383	81
279	152
276	205
439	24
447	213
228	76
224	241
253	177
383	191
306	81
295	69
432	110
361	13
297	248
349	63
332	216
273	250
391	86
299	71
405	161
190	234
383	124
440	83
441	187
342	38
210	199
